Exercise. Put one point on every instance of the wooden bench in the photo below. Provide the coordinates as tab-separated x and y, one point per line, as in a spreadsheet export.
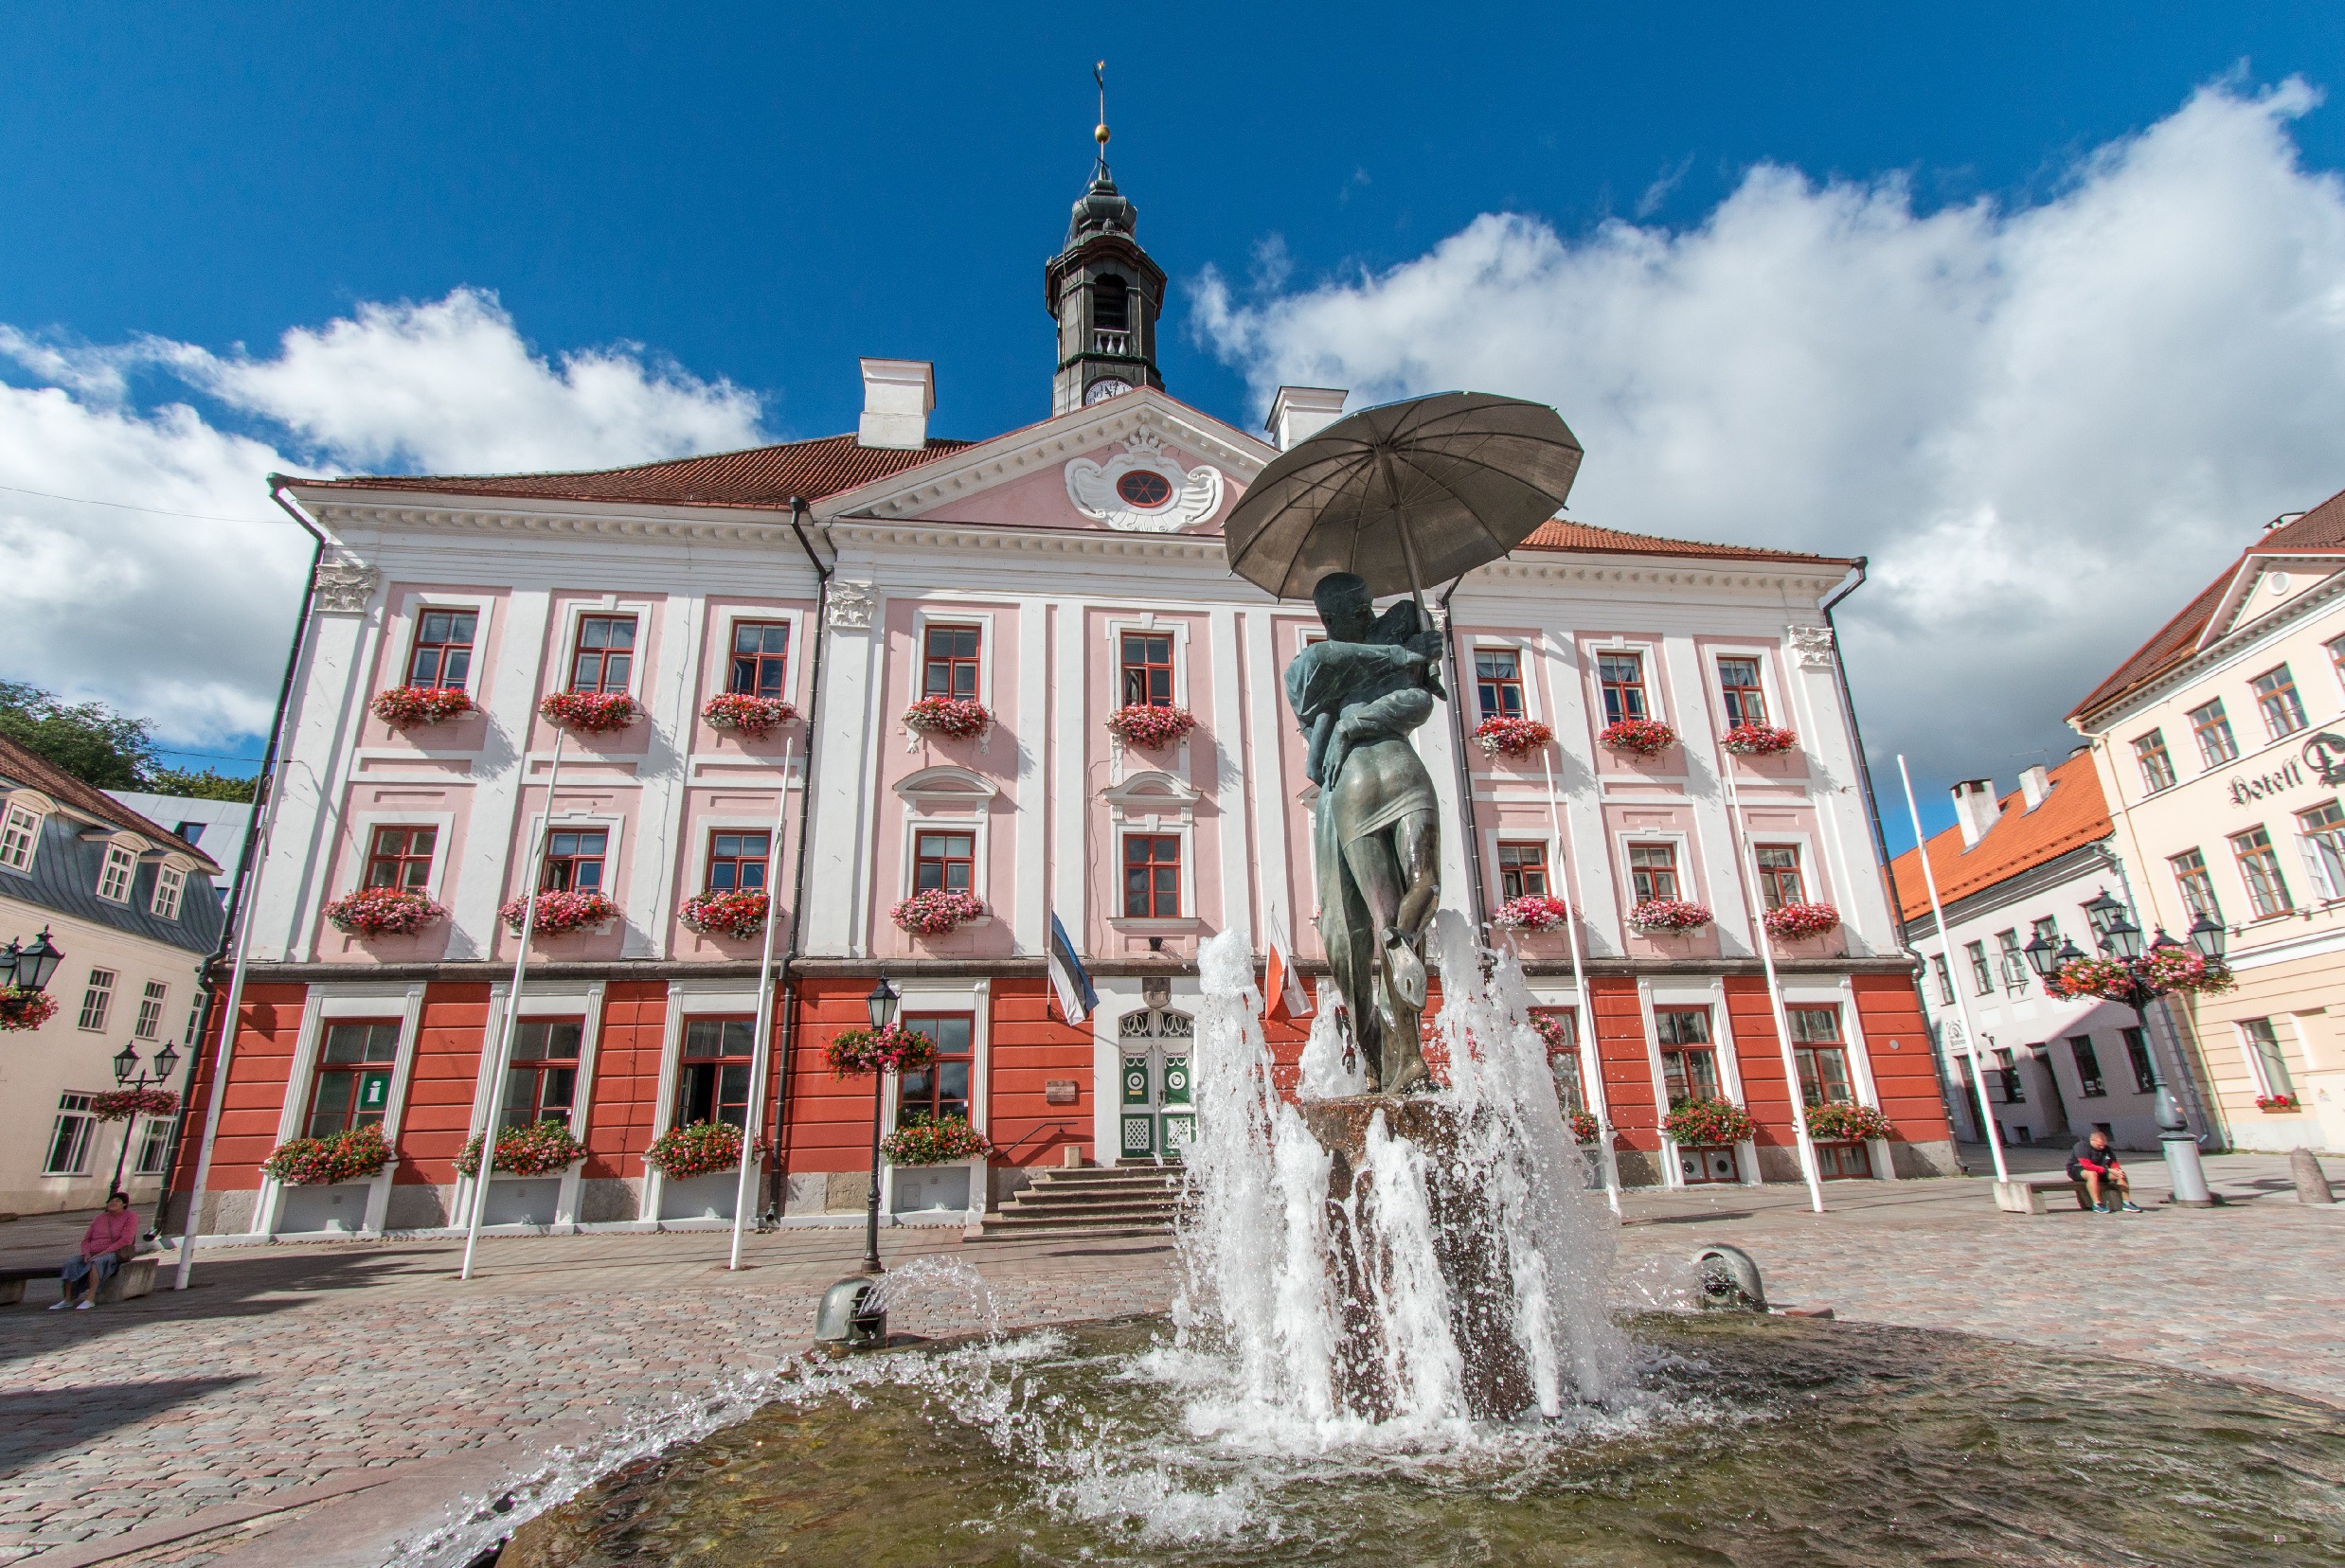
135	1278
2030	1195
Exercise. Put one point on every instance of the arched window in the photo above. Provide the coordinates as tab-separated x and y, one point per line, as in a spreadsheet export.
1111	309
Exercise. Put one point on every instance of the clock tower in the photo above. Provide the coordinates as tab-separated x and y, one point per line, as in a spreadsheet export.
1106	294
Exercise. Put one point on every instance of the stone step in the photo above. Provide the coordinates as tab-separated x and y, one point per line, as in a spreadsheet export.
1089	1214
1094	1197
1053	1184
995	1230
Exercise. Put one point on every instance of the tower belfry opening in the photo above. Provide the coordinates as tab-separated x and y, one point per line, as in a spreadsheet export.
1104	292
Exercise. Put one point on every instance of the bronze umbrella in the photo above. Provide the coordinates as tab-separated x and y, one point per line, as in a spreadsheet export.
1404	495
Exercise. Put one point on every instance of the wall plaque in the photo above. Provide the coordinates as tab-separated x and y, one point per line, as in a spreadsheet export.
1058	1091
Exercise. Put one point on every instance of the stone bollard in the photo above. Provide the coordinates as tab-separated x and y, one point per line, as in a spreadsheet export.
2311	1185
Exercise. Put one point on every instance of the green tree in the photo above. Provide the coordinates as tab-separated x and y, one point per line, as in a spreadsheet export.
88	740
210	784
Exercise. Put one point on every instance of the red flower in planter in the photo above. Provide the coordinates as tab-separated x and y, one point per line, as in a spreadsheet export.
700	1149
1149	727
1669	915
353	1156
383	911
753	718
935	912
1531	911
1708	1123
559	910
21	1009
956	716
2106	978
894	1049
538	1149
1585	1128
1758	739
1504	737
738	912
408	707
934	1140
2277	1104
1550	1029
2175	968
122	1104
1643	736
1801	920
590	712
1843	1121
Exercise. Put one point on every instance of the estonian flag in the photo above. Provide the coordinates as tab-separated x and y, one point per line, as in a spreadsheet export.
1073	982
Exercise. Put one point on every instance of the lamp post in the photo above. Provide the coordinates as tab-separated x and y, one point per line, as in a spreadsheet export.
2120	941
881	1003
29	968
125	1062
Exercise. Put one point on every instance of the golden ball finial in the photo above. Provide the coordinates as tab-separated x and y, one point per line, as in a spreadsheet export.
1100	135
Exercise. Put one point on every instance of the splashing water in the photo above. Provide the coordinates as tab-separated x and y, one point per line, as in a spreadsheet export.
922	1277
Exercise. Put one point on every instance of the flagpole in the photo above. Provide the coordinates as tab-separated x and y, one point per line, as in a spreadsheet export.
1749	857
1591	1061
538	838
1946	939
762	1052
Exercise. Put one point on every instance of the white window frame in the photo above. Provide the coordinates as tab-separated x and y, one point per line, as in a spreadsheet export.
1770	689
170	887
795	666
1493	837
1810	864
1156	803
1624	837
19	827
154	1135
2254	1058
610	604
362	828
980	855
927	615
86	1138
2316	869
409	617
574	820
123	860
1177	628
147	1025
105	1008
707	828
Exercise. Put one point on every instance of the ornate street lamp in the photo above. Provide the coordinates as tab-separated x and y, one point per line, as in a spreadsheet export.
881	1004
29	968
126	1062
2208	936
2041	956
2119	937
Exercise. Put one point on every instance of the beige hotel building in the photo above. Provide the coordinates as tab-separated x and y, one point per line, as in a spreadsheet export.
2221	750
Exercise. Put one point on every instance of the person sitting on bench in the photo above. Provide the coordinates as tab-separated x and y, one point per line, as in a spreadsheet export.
2096	1164
111	1241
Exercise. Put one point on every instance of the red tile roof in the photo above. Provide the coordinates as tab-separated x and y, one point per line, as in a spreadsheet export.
2320	531
34	770
1561	534
2073	815
762	476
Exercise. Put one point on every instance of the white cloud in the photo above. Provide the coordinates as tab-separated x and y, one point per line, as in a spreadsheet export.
186	621
2048	425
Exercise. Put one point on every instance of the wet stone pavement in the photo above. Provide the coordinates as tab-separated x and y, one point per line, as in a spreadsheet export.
175	1428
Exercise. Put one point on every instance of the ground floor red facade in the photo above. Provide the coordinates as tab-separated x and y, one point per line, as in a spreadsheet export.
622	1059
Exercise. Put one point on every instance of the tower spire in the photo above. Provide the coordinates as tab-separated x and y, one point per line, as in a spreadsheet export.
1104	292
1100	174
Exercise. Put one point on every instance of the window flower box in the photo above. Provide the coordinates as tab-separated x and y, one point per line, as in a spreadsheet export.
1795	921
558	912
1550	1029
356	1155
21	1009
737	912
590	712
411	707
1504	737
751	718
536	1150
1531	911
1148	726
934	1140
894	1049
1640	737
2277	1105
1585	1128
122	1104
1758	739
383	911
700	1149
956	717
1843	1121
934	913
1708	1123
1669	915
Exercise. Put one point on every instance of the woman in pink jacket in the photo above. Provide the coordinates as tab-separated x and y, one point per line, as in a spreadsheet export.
111	1241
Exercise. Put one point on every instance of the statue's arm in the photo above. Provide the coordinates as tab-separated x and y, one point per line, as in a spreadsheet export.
1322	731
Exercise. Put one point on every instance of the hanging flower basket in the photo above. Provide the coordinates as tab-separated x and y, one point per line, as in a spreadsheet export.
1669	915
894	1049
1642	737
934	1140
22	1008
538	1149
738	912
1550	1029
356	1155
1149	727
411	707
1504	737
122	1104
1531	911
1758	739
2176	968
558	912
751	718
383	911
2106	978
2277	1105
1793	921
956	716
700	1149
1585	1128
1843	1121
1708	1123
934	913
589	712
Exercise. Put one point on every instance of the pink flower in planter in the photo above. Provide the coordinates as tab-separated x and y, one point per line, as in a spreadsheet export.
699	1150
1642	737
122	1104
894	1049
590	712
753	718
1148	726
1504	737
934	913
1843	1121
383	911
559	910
21	1009
408	707
1758	739
1669	915
736	911
1531	911
956	717
1793	921
1708	1123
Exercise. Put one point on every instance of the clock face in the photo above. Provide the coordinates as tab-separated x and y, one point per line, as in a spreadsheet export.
1104	388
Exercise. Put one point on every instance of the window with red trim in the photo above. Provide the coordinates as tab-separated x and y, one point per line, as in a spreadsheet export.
1689	1058
541	1079
1821	1055
1622	676
1499	683
713	1083
941	1089
1148	668
1653	871
760	658
735	860
1152	876
354	1085
944	862
574	860
401	857
1738	685
1522	870
443	649
604	654
1778	875
949	666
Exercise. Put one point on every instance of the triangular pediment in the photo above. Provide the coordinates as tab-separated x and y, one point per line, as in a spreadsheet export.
1139	463
2264	584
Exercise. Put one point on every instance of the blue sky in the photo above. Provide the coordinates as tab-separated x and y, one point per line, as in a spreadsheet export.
757	197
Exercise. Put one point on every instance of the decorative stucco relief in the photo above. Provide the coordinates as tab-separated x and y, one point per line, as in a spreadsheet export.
852	605
1811	646
342	585
1143	489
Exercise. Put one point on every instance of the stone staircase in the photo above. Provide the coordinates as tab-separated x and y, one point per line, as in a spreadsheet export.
1135	1198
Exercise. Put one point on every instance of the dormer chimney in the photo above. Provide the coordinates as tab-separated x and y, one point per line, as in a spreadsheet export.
1976	808
2035	786
897	397
1298	413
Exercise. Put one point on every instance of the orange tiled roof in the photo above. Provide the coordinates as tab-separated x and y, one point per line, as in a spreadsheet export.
33	769
2073	815
762	476
1560	534
2319	531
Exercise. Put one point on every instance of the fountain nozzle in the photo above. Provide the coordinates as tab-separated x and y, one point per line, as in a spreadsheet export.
842	1318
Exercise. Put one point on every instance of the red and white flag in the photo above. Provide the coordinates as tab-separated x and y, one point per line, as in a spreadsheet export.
1281	986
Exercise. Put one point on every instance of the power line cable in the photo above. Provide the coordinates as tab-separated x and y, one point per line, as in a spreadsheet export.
158	512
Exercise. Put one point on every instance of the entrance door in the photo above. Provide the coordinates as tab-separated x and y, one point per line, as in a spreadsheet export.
1158	1114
